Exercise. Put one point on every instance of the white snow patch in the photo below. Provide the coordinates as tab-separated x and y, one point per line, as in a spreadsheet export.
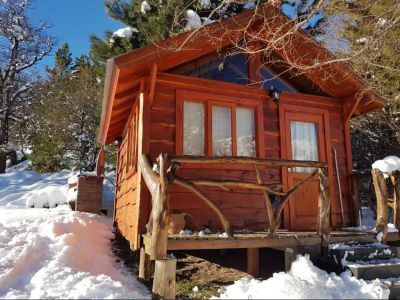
305	281
186	232
145	7
126	33
362	41
381	22
55	253
387	165
193	20
204	4
368	222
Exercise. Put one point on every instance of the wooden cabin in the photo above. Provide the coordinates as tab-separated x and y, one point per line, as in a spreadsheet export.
199	101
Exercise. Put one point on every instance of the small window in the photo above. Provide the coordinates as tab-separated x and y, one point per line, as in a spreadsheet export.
269	79
233	68
193	141
132	143
304	143
231	127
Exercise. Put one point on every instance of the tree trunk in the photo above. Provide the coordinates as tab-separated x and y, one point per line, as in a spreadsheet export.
2	162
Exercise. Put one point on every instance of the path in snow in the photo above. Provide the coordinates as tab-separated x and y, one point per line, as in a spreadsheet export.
55	253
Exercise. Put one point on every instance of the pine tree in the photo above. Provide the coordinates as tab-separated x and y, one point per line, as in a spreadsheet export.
372	34
152	21
67	110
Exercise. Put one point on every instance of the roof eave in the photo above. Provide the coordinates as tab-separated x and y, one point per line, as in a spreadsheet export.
110	83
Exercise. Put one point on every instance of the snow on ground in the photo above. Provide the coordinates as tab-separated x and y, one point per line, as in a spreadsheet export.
56	252
305	281
368	222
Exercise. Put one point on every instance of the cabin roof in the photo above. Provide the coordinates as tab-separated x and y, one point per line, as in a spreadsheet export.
125	73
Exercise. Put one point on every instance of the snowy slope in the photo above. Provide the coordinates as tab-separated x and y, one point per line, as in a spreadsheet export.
55	253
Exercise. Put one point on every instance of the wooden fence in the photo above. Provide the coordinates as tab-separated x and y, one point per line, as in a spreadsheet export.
159	184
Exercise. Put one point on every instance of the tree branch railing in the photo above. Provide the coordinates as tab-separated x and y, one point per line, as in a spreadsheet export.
382	201
168	165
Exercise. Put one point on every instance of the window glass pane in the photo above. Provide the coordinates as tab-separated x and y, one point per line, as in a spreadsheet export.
229	69
269	79
304	143
245	132
193	128
221	131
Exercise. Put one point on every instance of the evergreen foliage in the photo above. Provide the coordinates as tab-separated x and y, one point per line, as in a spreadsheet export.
372	34
67	109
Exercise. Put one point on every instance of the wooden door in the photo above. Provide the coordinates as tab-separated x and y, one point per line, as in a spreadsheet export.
305	140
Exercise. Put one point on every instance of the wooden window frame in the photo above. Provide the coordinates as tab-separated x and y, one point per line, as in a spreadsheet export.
210	99
132	145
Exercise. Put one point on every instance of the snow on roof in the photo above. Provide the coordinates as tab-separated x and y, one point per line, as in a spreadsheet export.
388	164
145	7
125	32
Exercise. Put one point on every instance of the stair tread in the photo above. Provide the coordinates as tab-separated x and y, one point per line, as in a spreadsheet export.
376	263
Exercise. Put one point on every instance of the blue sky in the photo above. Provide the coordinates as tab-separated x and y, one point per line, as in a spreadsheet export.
73	21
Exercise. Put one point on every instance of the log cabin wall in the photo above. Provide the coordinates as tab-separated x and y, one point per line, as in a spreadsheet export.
126	213
242	208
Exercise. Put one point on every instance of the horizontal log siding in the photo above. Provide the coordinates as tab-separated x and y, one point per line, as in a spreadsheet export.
126	209
243	207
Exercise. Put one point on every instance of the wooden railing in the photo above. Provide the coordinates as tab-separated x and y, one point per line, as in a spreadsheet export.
383	201
159	184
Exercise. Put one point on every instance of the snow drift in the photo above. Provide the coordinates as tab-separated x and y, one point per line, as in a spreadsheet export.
305	281
58	253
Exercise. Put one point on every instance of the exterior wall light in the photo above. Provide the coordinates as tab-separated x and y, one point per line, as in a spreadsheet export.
118	141
274	94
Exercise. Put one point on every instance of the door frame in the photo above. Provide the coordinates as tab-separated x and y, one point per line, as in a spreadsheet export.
283	108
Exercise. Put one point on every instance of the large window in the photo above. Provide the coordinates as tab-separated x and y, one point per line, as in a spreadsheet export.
215	125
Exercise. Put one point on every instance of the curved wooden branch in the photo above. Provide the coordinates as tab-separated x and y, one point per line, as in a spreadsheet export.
159	217
150	177
191	187
395	178
381	203
227	184
324	208
247	160
285	199
268	205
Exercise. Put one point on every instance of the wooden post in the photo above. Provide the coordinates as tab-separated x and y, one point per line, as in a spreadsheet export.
290	257
395	178
381	203
159	217
164	279
144	266
355	199
268	204
324	207
253	261
160	214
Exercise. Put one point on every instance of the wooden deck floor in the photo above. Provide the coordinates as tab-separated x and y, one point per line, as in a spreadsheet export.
283	240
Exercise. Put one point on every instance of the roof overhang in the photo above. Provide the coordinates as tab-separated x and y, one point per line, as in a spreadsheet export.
124	73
